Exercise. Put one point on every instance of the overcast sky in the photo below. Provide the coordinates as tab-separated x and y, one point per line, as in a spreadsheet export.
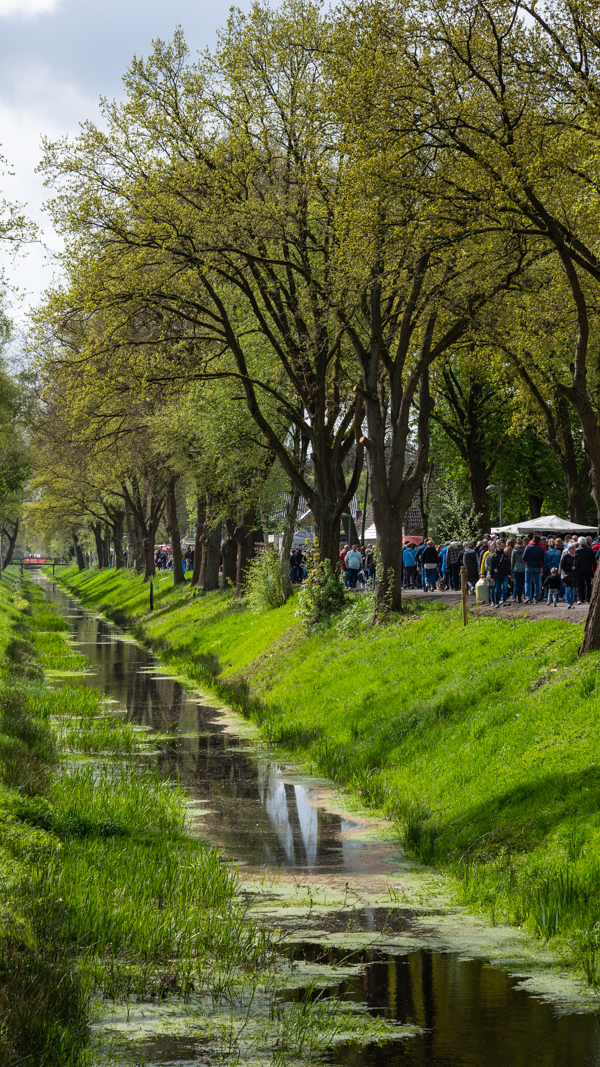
57	57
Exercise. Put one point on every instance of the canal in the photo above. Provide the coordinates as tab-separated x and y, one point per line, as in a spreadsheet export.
268	818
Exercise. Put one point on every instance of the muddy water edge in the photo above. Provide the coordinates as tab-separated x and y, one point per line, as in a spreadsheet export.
356	925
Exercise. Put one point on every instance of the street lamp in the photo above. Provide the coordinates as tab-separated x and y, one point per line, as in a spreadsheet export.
496	489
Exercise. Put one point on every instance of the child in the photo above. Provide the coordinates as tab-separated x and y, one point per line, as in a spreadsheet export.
552	584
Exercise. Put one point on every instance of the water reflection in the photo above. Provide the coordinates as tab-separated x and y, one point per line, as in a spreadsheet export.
257	816
471	1015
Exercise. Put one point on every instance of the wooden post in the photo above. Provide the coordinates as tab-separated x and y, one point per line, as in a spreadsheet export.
151	596
463	594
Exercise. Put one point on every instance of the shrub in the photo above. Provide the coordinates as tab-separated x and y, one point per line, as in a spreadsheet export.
264	581
322	594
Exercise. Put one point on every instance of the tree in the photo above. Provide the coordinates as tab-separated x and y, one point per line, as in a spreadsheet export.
246	204
475	407
223	232
214	441
15	454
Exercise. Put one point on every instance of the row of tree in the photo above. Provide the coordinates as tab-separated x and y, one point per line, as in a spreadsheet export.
363	235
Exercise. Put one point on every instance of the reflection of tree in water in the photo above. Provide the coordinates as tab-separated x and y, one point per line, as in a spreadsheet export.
154	703
471	1015
255	814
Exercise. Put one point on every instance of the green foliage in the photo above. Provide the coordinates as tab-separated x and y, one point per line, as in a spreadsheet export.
264	581
322	594
359	612
452	516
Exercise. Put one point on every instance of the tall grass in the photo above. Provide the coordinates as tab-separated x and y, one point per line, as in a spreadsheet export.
101	890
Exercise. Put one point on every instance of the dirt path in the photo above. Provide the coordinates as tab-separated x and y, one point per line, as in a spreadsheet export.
537	611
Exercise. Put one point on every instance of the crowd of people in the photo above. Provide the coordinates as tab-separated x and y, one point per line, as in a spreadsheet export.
521	569
358	566
163	559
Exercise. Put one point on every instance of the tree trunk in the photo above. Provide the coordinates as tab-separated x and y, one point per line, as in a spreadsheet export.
535	505
578	503
147	515
118	520
423	507
591	637
229	551
244	535
149	545
173	529
97	532
107	533
200	520
591	432
328	535
288	537
212	554
206	551
481	503
78	552
138	550
12	539
389	543
131	546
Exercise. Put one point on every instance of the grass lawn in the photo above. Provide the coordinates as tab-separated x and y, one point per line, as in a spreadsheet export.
481	742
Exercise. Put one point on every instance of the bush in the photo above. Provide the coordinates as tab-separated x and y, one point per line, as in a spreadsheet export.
322	594
264	582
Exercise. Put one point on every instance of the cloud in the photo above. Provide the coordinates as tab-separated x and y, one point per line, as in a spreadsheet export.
27	7
43	103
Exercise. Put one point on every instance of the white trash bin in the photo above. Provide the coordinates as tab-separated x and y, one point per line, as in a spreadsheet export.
482	592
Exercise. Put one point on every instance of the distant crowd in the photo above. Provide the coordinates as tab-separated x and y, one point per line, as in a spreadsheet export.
163	559
520	569
358	566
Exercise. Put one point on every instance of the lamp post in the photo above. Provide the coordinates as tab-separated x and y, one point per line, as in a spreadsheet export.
496	489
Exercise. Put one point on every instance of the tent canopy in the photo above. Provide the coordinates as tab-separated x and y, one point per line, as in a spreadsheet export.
300	537
371	535
546	524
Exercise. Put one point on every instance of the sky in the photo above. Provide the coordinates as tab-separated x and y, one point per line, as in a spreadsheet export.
57	57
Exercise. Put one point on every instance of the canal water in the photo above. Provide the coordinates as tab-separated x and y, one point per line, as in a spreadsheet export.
470	1014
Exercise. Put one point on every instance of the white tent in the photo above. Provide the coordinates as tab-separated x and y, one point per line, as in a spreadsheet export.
371	533
546	524
300	537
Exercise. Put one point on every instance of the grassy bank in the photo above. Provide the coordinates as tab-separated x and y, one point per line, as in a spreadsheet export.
481	742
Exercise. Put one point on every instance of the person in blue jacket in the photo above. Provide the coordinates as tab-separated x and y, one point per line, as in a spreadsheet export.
533	558
409	565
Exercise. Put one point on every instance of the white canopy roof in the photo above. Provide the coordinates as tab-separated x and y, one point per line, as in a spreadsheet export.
546	524
301	536
371	533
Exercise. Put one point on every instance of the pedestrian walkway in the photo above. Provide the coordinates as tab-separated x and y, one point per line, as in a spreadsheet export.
539	610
